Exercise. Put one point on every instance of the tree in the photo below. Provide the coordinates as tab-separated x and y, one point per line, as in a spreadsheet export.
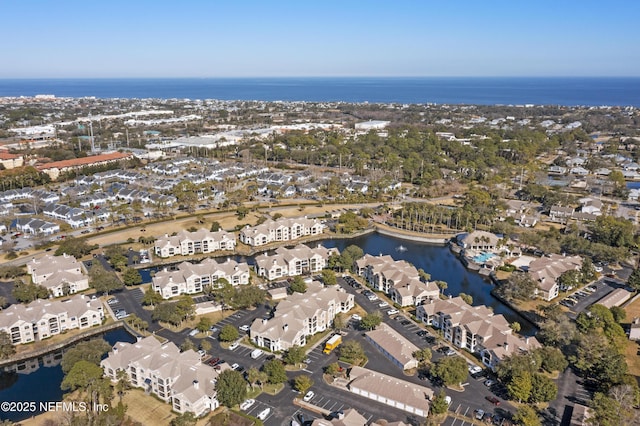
515	326
187	345
423	355
302	383
91	350
450	370
102	280
276	373
185	419
634	279
215	226
253	376
526	416
294	355
543	389
242	212
587	270
351	351
228	333
552	359
27	293
76	247
231	388
6	347
442	285
205	345
332	369
186	193
82	375
439	404
519	286
204	324
520	386
298	285
116	256
468	299
329	277
619	314
151	297
131	276
371	320
339	321
123	383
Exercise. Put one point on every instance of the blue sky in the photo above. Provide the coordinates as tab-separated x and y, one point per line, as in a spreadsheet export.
268	38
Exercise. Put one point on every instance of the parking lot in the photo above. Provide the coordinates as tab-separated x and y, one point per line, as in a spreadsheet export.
258	407
330	403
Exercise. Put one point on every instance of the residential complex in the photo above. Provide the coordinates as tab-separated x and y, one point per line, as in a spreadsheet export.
545	271
41	319
61	275
282	229
192	278
301	315
289	262
187	243
178	378
394	346
397	278
475	328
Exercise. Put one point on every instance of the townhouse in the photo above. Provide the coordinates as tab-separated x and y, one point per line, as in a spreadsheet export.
75	217
61	275
283	229
177	378
475	328
289	262
192	278
397	278
41	319
394	346
36	226
545	271
301	315
188	243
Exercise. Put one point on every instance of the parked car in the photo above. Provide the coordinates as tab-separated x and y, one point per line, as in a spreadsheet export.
488	383
479	414
383	304
244	328
235	366
247	404
475	369
262	415
392	311
233	346
202	353
309	396
450	352
492	399
356	317
112	301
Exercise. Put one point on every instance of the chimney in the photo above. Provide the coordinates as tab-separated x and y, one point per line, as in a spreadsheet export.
526	341
506	347
285	327
340	415
196	384
115	349
264	321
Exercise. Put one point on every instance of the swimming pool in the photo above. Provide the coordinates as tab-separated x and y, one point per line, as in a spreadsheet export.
482	257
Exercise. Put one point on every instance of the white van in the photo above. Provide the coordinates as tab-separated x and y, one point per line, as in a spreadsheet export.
256	353
193	332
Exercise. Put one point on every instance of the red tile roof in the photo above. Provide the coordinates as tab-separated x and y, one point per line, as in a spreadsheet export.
86	161
7	156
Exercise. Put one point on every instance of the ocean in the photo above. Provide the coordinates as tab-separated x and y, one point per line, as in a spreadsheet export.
578	91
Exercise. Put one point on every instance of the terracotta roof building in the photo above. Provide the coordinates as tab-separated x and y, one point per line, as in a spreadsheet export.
55	168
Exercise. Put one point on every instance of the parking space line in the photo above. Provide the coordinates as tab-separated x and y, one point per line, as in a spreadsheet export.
334	404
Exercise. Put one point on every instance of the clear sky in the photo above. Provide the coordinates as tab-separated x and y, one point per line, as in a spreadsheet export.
268	38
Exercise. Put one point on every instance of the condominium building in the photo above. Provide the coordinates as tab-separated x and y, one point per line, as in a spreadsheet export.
475	328
61	275
192	278
188	243
545	271
177	378
41	319
283	229
397	278
289	262
301	315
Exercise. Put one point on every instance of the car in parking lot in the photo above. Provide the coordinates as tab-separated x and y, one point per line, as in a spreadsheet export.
356	317
246	404
244	328
372	297
233	346
112	301
488	383
479	414
450	352
262	415
422	333
475	369
214	361
309	396
213	329
405	322
492	399
392	311
235	366
383	304
202	353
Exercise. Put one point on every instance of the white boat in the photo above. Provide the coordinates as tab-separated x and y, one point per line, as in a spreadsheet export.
401	248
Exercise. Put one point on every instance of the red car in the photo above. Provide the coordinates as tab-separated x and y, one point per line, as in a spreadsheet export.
493	400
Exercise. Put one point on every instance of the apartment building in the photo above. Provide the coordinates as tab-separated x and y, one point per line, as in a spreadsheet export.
177	378
546	270
394	346
301	315
61	275
192	278
289	262
41	319
397	278
475	328
283	229
188	243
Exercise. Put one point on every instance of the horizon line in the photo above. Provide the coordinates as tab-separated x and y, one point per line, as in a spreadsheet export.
316	77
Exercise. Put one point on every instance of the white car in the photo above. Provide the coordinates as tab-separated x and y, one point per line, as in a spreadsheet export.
247	404
262	415
392	311
475	369
372	297
202	353
233	346
235	366
309	396
244	328
383	304
356	317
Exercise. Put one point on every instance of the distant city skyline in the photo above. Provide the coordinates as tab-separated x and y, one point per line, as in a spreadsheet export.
199	38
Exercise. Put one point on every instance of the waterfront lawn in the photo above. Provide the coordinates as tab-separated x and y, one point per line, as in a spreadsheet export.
146	409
